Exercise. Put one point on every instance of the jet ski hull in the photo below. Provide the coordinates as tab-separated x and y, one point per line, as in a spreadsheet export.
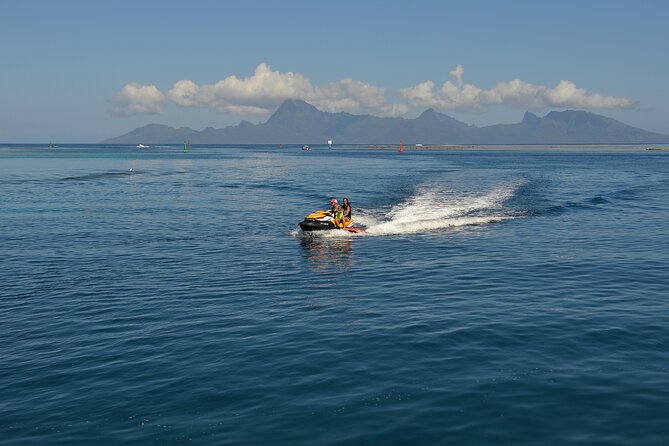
316	225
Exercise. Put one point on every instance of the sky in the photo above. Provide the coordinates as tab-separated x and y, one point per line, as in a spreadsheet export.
82	71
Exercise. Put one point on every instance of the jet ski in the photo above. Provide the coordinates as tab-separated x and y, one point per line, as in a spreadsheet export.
323	221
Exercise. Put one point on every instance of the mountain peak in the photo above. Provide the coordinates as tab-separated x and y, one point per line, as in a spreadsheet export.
530	118
291	110
429	113
430	116
293	105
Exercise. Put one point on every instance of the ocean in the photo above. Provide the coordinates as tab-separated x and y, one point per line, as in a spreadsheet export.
501	296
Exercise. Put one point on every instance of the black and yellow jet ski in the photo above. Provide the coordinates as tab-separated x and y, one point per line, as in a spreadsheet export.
323	221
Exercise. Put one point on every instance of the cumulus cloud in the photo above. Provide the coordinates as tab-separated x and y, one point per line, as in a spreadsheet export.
455	94
354	97
259	94
135	98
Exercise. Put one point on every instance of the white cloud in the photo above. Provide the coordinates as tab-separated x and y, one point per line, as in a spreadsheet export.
354	97
566	94
135	98
457	95
457	74
260	93
257	94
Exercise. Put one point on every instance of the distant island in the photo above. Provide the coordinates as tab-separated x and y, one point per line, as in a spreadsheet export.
297	122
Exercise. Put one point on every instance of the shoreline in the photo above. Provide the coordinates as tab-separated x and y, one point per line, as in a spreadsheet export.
514	147
617	147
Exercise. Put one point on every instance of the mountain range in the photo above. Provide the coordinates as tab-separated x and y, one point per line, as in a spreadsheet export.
297	122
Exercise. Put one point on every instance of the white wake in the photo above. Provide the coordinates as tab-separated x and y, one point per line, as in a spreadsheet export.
432	209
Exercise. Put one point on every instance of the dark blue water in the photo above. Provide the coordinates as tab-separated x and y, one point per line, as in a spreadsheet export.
514	297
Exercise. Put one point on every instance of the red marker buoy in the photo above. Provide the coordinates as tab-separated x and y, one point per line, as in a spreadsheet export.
401	146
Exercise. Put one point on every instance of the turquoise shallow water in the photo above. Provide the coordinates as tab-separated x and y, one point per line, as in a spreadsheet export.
500	297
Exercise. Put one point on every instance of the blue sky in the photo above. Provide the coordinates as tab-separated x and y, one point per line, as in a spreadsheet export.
82	71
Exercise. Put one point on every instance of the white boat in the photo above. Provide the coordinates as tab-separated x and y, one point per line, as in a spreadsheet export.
305	148
141	146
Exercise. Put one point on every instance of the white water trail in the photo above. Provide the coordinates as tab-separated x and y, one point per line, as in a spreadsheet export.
432	209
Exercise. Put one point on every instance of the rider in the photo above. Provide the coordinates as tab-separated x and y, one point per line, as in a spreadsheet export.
333	209
334	212
339	217
334	204
347	217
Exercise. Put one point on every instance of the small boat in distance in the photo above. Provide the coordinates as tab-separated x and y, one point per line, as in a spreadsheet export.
305	147
141	146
